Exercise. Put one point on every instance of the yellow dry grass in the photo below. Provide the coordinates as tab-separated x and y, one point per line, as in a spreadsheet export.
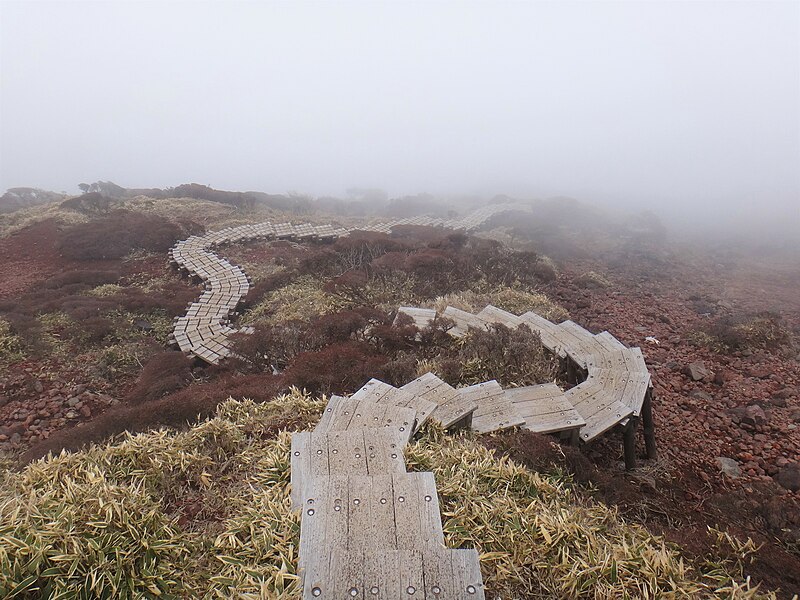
302	299
106	522
11	347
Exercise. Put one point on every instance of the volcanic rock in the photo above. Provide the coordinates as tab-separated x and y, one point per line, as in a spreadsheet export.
789	477
729	467
697	371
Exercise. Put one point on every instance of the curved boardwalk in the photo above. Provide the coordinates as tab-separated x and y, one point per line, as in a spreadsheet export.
204	329
369	529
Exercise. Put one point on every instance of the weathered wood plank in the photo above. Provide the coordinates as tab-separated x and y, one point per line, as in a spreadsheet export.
412	579
384	450
495	412
548	331
467	573
600	422
300	466
608	342
382	532
347	454
319	466
451	407
463	321
314	566
492	314
381	575
428	501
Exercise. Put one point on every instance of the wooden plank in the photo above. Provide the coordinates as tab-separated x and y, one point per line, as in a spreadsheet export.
467	574
609	342
347	454
439	584
533	392
492	314
300	466
410	573
417	519
327	414
600	422
367	414
374	390
495	412
423	385
347	572
422	317
384	450
319	466
428	500
463	321
635	391
451	407
381	575
547	330
359	525
314	566
423	408
401	417
381	533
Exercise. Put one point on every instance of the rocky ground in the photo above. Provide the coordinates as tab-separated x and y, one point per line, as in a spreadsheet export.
728	424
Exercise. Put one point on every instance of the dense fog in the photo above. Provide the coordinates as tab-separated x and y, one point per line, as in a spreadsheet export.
688	108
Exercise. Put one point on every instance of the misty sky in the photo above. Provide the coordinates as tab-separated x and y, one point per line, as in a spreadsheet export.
679	104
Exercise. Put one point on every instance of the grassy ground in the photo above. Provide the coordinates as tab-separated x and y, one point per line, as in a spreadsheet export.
206	513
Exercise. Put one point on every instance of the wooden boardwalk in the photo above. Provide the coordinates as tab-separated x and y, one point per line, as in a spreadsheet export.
613	387
205	328
368	528
613	384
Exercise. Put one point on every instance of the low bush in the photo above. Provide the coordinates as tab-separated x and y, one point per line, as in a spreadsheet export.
164	373
765	331
116	235
336	369
592	280
511	356
177	409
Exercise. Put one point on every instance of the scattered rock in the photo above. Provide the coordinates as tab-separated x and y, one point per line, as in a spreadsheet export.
785	393
754	415
37	385
789	477
142	325
697	371
701	395
759	372
15	438
729	467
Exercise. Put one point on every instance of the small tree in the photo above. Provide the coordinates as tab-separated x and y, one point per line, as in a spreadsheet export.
84	187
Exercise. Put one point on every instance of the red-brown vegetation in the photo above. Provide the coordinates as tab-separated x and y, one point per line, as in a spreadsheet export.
118	234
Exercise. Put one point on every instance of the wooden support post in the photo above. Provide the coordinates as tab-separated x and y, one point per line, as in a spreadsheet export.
629	444
649	428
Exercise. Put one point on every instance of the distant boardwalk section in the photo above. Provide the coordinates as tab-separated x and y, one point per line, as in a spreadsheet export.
205	328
